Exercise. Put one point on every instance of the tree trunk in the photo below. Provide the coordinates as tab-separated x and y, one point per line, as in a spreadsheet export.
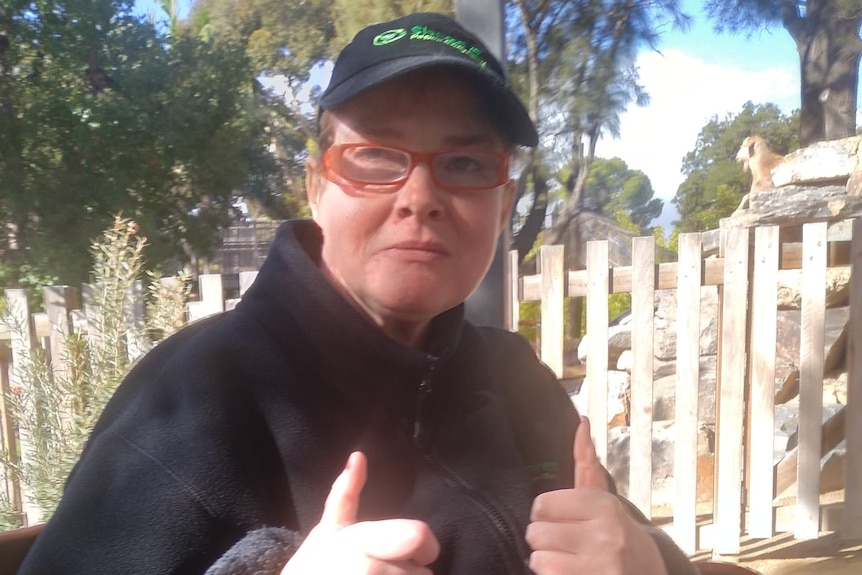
839	97
526	237
828	49
813	46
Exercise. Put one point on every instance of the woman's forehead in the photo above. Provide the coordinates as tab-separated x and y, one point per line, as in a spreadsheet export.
440	100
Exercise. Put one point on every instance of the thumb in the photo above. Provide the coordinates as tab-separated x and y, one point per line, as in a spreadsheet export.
342	503
589	472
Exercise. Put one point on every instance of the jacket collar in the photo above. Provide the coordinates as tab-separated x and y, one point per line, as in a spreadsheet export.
346	346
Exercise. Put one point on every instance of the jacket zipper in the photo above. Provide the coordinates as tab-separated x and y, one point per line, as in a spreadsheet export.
420	433
421	439
516	563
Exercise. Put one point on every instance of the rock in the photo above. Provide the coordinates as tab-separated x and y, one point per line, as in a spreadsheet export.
796	205
664	393
789	331
664	435
790	283
666	328
835	390
854	184
787	387
618	397
828	161
619	340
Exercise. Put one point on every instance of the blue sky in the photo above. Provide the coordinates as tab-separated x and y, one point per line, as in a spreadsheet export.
696	75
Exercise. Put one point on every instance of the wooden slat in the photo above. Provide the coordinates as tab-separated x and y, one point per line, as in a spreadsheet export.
247	278
22	342
59	300
792	255
640	437
813	292
851	527
687	384
136	341
514	315
211	297
620	279
91	312
731	392
551	350
764	306
597	345
9	483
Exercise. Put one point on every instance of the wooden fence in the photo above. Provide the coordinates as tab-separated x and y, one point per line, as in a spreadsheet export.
746	273
746	277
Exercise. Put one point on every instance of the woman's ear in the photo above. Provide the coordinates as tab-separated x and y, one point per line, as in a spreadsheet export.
312	184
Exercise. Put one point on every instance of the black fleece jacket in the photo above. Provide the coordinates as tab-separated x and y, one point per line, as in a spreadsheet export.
239	424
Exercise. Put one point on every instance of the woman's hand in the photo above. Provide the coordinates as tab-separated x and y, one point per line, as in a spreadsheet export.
339	544
587	529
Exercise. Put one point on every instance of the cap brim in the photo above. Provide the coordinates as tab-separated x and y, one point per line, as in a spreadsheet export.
508	110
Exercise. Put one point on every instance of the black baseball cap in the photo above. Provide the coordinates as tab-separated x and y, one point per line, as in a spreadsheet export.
381	52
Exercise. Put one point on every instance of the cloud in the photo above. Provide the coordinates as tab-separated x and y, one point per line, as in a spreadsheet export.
685	94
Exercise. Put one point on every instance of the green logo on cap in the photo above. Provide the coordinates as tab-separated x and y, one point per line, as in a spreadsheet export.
389	36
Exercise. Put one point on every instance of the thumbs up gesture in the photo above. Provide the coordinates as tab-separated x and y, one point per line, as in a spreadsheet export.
587	529
341	544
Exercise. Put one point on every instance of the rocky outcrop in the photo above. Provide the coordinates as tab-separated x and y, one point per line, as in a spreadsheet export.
816	183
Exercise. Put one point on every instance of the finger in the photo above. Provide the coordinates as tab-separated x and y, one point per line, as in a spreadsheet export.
545	562
588	469
396	540
342	503
570	505
554	536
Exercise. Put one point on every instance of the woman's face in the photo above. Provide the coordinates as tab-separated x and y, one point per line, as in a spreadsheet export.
405	256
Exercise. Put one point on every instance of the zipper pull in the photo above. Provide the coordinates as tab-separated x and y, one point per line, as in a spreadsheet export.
421	436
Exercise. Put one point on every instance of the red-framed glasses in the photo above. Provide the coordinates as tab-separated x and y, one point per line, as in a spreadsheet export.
382	169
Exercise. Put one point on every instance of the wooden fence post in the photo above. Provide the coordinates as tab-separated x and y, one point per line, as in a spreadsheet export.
813	290
8	482
730	393
598	285
58	301
688	291
552	329
23	341
761	419
851	528
514	315
136	340
643	314
211	297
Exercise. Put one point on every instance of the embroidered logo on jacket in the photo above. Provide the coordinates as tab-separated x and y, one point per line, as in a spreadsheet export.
544	471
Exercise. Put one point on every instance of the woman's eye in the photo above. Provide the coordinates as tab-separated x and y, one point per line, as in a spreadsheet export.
463	163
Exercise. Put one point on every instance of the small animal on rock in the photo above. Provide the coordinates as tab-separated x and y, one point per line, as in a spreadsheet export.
756	157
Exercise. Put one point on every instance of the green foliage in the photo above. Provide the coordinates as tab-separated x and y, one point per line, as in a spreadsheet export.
55	404
10	518
350	16
624	194
827	38
286	37
576	60
101	114
715	182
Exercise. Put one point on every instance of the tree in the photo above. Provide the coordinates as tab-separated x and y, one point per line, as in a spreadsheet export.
582	56
621	193
350	16
715	182
827	36
104	114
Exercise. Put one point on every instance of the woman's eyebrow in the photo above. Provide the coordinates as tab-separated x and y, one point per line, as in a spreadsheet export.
468	140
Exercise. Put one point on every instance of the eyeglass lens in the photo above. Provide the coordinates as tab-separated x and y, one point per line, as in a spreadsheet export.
457	169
